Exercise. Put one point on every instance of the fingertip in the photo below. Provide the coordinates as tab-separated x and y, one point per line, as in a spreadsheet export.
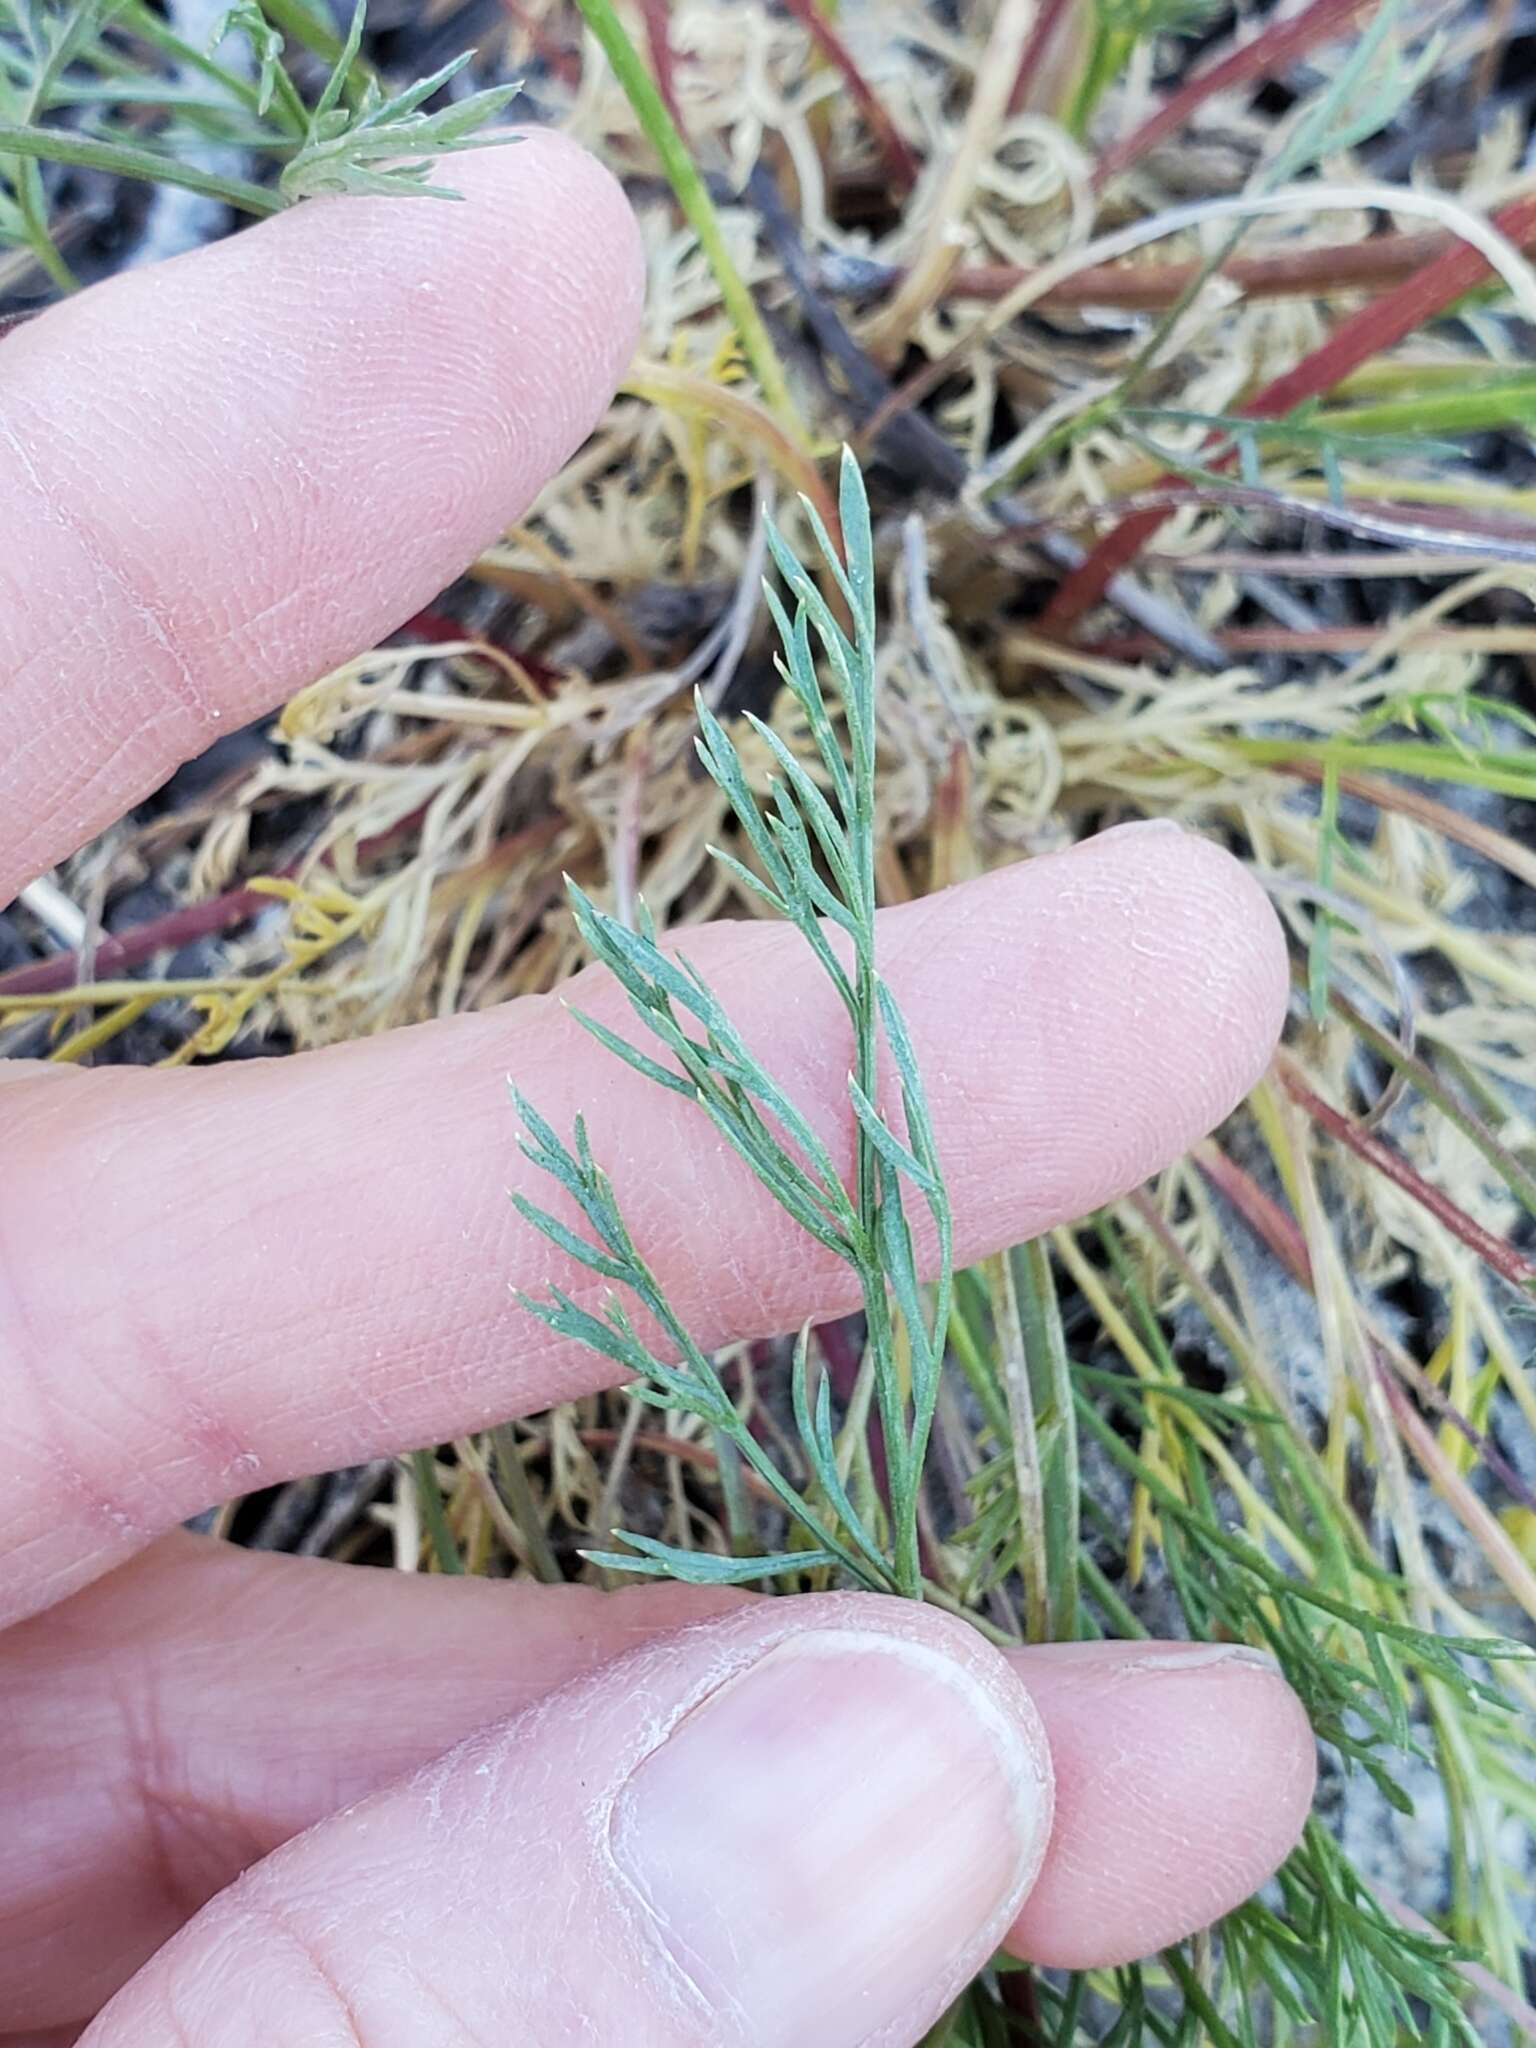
1184	1776
1208	917
1116	1003
599	258
898	1808
344	404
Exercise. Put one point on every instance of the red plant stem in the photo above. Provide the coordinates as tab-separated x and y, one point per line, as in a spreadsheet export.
1273	47
703	1457
132	948
1375	328
1503	1258
658	36
1047	22
900	160
1366	333
123	951
1280	1232
1258	1209
1374	265
1413	1374
1484	840
436	626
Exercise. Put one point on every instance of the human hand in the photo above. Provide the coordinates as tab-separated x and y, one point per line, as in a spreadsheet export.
795	1821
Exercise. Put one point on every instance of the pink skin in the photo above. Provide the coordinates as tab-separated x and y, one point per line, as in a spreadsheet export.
218	1278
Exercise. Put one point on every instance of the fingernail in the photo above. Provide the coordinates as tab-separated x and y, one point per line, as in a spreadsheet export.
831	1842
1133	1659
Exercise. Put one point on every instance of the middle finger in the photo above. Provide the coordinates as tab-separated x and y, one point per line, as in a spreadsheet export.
295	1265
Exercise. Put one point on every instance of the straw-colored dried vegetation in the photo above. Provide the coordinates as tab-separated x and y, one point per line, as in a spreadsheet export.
1186	359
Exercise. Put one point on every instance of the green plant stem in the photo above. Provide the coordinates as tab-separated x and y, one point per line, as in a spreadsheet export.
142	22
430	1498
1118	1614
739	1520
975	1364
1504	774
34	215
1498	402
1108	53
1024	1440
512	1478
693	197
30	197
1045	1348
125	160
752	1451
301	23
1320	956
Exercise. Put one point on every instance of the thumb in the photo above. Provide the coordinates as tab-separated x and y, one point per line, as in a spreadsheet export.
810	1820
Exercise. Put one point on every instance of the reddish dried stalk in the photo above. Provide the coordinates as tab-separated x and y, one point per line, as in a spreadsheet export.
702	1456
658	36
1276	1228
1275	46
1502	1257
1391	1358
1376	265
119	955
1258	1209
1369	332
1376	328
124	951
1479	1521
900	159
1038	48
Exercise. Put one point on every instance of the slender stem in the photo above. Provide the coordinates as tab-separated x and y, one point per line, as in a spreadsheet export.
34	215
893	1407
1045	1349
512	1479
703	1369
302	23
978	1371
1275	46
1108	53
429	1494
1319	958
142	22
1521	1184
1118	1614
739	1519
800	1510
1024	1442
693	197
1507	774
124	160
31	200
1505	1259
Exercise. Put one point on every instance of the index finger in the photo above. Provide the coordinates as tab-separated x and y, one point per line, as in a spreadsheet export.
223	476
